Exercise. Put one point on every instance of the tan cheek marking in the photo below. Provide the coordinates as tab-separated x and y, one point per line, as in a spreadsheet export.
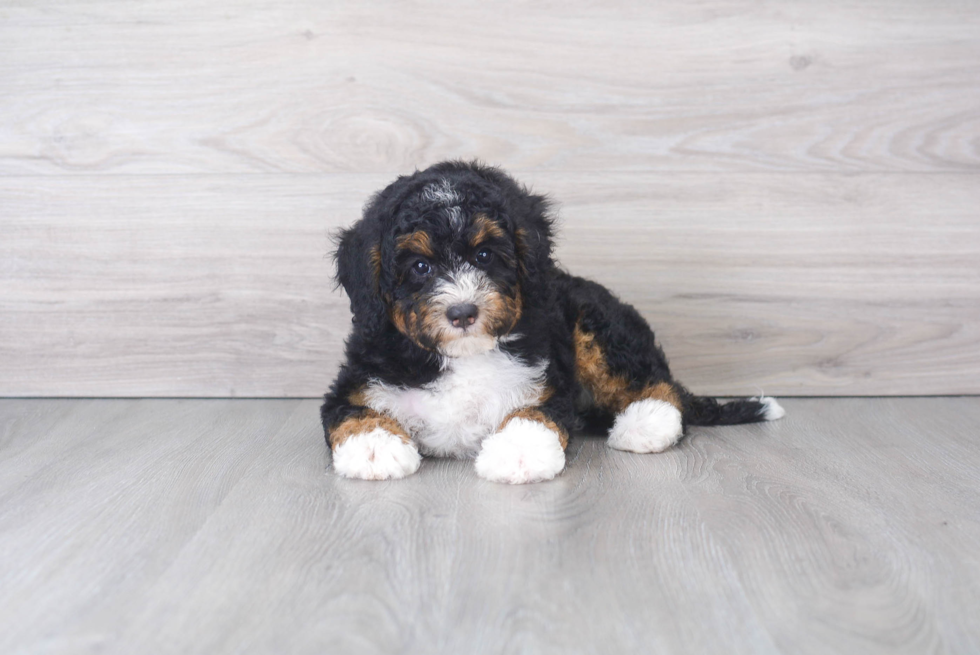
417	242
432	324
406	322
537	415
611	391
503	312
363	423
414	324
515	307
398	318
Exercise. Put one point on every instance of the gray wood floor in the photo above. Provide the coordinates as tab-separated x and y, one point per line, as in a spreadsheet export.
214	526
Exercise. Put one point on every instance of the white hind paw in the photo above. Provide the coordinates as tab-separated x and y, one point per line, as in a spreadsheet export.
646	426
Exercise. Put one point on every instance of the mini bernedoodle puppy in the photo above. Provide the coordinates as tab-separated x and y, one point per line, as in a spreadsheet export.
469	341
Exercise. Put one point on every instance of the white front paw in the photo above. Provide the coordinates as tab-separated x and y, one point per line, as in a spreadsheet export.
646	426
376	455
524	451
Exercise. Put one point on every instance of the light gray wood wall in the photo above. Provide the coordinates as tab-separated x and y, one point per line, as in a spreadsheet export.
790	192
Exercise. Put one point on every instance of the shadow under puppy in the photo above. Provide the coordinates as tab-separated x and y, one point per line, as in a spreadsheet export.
469	341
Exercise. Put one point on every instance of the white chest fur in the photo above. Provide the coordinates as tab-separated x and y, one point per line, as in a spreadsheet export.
466	404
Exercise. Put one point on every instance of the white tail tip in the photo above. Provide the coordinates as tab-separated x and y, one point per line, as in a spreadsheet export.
773	409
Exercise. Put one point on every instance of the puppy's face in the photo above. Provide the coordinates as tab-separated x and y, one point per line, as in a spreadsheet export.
448	257
455	287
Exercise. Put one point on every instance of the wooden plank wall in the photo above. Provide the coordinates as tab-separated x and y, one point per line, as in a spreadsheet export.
789	191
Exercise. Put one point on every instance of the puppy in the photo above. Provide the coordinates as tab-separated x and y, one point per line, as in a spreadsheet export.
469	341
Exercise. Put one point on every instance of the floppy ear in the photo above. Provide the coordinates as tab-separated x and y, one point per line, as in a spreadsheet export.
358	259
533	238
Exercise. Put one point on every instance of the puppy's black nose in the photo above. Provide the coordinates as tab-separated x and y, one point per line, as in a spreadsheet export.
462	315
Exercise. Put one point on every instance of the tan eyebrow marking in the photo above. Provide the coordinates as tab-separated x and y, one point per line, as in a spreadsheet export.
485	229
417	242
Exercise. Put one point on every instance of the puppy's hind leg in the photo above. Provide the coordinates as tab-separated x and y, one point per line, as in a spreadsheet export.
647	411
624	372
649	424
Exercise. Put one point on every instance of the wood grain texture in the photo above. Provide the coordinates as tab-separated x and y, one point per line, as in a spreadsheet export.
221	286
210	526
788	191
727	85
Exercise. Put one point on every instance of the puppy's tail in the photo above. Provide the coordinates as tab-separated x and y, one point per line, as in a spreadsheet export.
699	410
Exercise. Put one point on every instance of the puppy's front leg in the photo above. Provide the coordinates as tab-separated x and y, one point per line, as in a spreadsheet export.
370	446
527	447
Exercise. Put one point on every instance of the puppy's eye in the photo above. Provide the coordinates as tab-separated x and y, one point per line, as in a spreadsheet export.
484	256
421	268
